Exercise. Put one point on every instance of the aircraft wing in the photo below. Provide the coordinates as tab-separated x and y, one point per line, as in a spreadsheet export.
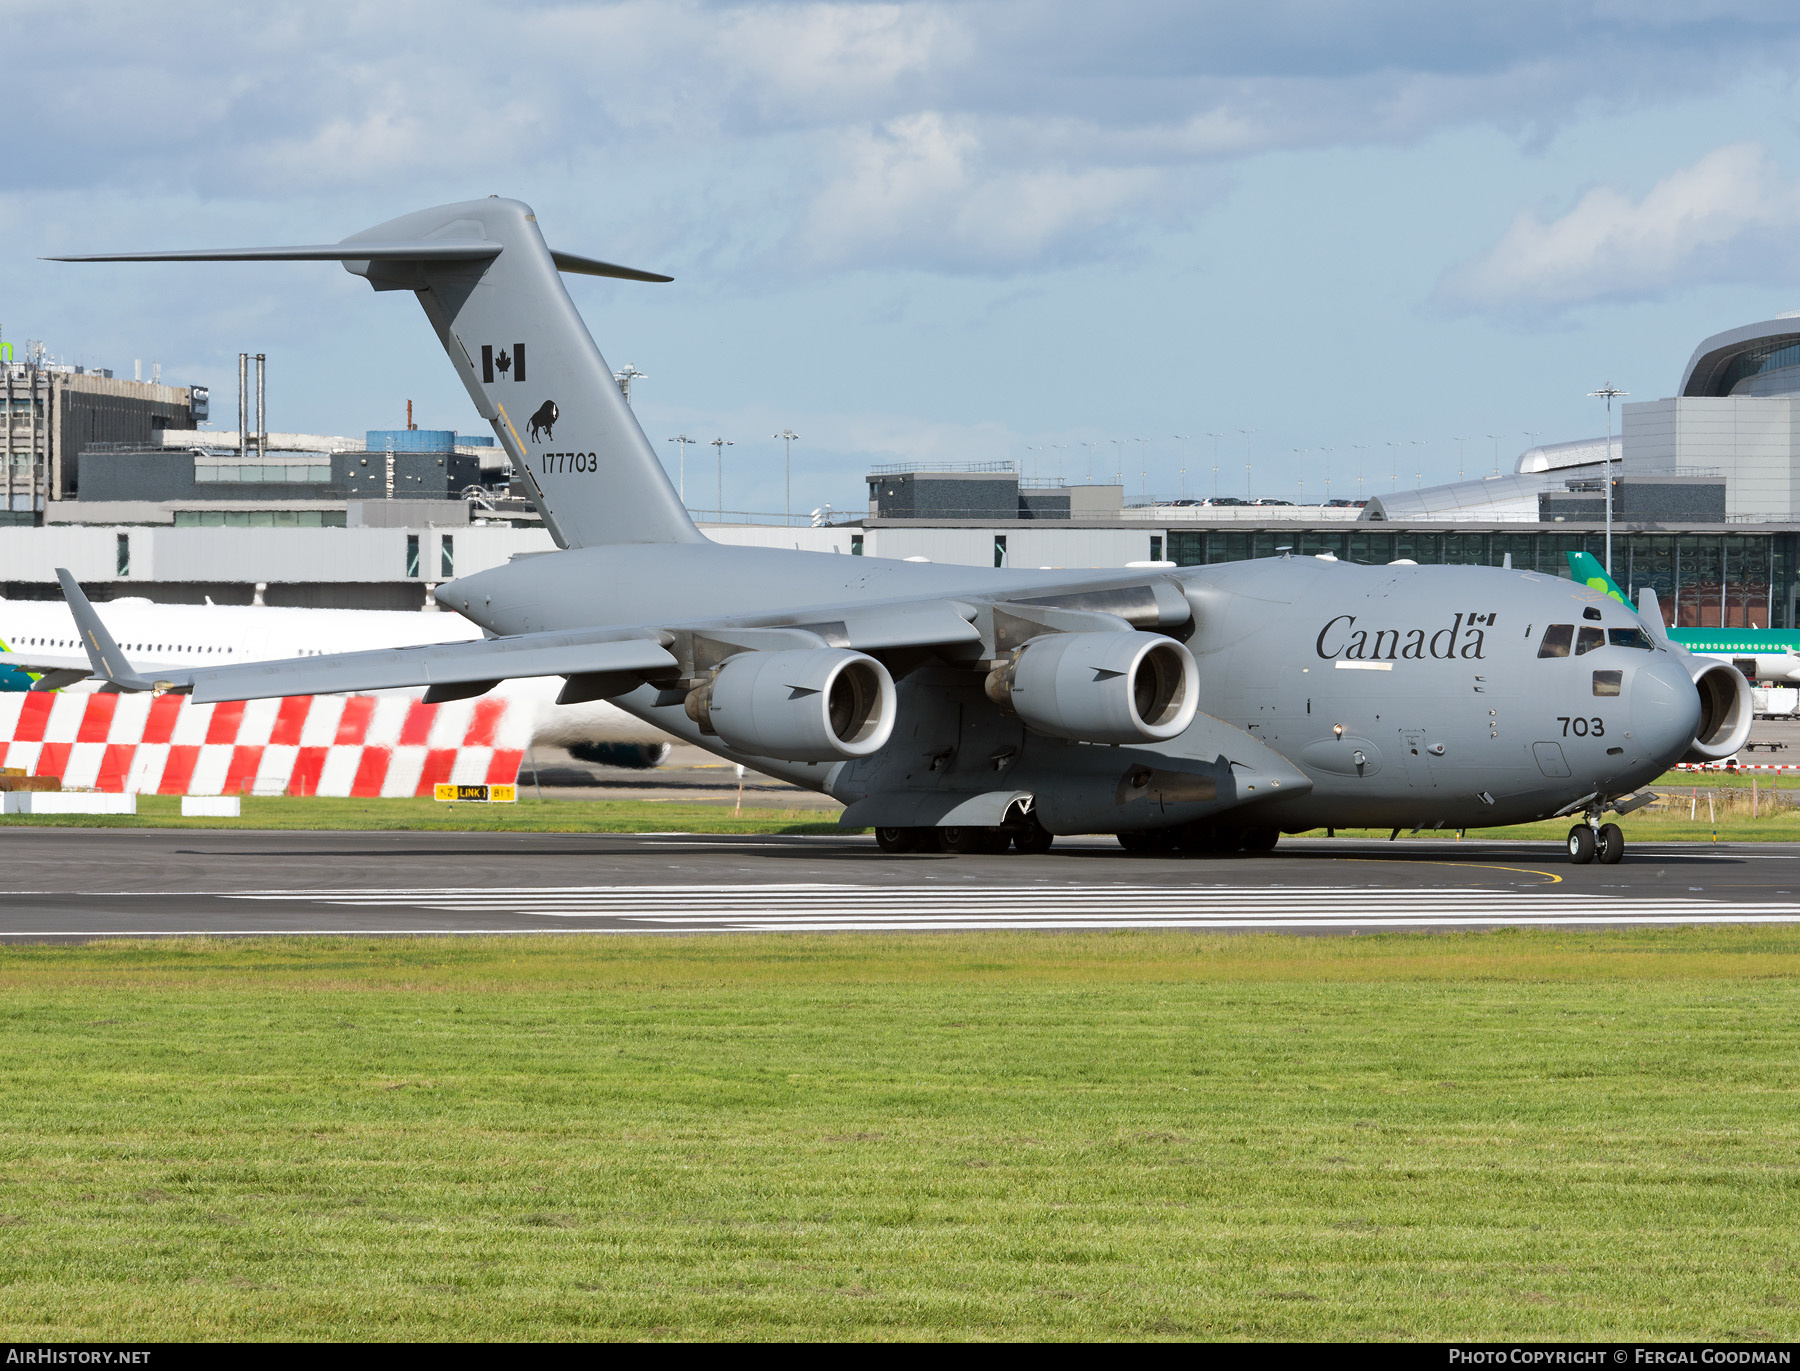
445	665
489	660
611	660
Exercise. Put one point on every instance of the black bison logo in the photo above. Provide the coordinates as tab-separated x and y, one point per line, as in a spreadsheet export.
544	421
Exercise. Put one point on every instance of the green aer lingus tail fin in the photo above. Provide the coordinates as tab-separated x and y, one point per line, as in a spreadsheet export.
1587	569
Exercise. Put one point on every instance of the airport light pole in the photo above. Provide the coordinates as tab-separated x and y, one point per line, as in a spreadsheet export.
1248	434
789	437
1215	437
1119	461
1394	465
626	377
1359	447
1496	437
1090	456
682	440
1608	391
718	446
1327	451
1143	471
1459	456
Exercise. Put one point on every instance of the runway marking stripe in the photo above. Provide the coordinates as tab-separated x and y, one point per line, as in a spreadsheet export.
848	927
829	907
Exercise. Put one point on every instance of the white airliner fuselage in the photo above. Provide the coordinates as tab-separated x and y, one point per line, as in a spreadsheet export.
214	635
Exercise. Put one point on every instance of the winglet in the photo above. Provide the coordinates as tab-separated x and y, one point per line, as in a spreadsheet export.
109	663
1650	616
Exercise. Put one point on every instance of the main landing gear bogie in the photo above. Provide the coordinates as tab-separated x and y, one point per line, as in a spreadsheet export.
1602	842
1199	841
1032	839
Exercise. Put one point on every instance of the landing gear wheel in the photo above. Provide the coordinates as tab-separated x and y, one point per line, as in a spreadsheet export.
1033	840
1149	841
1610	845
1581	844
897	839
964	842
1261	839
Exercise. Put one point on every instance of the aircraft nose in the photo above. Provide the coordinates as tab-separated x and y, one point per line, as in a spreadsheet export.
1665	707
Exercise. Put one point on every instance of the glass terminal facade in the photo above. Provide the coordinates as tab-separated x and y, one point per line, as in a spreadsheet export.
1702	580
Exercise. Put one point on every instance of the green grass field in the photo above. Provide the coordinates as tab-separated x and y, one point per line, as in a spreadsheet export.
528	815
1506	1135
1733	821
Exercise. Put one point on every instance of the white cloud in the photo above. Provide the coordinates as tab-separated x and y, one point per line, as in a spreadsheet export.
995	137
921	188
1725	217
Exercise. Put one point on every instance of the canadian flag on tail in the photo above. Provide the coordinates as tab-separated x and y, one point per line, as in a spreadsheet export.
340	745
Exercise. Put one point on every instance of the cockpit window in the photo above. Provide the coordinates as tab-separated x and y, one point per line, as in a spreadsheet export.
1556	640
1589	639
1608	682
1629	637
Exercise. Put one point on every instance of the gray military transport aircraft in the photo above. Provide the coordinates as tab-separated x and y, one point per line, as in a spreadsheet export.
1204	709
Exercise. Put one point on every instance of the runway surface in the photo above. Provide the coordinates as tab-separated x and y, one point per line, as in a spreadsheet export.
101	883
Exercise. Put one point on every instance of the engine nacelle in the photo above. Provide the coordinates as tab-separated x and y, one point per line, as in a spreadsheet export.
1100	687
1726	711
802	705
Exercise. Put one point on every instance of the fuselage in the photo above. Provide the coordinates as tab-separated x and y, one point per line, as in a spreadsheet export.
1763	654
1394	695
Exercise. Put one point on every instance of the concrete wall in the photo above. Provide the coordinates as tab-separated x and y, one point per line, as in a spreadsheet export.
1751	441
1045	546
945	495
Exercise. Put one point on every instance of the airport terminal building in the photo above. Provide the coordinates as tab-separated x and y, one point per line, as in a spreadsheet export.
1705	484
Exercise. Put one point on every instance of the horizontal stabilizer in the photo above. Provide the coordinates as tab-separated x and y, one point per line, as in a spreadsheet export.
589	266
439	250
493	292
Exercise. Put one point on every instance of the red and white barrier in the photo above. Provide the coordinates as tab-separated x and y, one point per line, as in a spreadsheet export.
1731	765
354	745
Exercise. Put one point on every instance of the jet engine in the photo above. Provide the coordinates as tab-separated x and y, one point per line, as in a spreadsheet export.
801	705
1726	711
1100	687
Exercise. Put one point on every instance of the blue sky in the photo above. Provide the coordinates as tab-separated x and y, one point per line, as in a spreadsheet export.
968	232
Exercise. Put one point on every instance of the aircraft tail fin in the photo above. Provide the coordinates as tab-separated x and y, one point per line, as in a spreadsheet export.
1587	571
491	288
